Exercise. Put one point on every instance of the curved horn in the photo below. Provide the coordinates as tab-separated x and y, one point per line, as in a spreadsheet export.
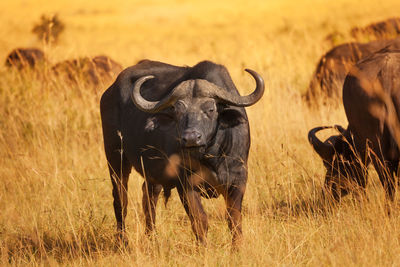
324	151
242	101
156	106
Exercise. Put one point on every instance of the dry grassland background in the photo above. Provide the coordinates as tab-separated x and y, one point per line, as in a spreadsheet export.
55	191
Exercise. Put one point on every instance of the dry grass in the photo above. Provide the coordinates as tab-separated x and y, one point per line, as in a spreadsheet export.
55	192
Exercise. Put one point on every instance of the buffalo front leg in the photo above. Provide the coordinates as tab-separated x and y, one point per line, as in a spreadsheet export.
198	218
233	199
149	203
119	172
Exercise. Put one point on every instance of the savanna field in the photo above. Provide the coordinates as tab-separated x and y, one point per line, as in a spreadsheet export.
55	190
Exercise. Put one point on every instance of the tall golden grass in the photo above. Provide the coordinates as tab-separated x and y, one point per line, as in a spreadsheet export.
55	191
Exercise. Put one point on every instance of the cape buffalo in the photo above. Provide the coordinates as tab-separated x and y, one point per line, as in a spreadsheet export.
25	57
386	28
369	136
92	70
328	78
179	127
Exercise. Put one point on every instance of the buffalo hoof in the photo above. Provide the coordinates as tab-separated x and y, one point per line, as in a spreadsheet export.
121	241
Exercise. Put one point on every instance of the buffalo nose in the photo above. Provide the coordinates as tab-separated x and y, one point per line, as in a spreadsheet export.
191	138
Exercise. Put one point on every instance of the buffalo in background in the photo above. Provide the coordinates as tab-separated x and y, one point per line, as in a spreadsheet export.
383	29
21	58
96	70
369	135
328	78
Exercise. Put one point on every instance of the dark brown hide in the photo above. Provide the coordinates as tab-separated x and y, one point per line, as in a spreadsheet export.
328	78
95	71
369	136
383	29
25	57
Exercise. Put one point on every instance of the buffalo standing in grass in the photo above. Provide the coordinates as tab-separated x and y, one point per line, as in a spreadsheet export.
382	29
179	127
369	135
327	81
21	58
96	70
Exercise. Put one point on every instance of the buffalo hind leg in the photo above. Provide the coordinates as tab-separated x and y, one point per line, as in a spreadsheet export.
149	203
386	172
393	176
119	172
198	218
233	200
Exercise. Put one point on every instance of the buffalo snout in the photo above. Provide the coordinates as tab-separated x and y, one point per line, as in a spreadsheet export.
191	138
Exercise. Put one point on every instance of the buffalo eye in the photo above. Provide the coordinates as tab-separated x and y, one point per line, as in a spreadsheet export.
179	107
209	108
210	111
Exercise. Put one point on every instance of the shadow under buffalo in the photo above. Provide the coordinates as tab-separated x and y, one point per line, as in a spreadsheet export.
43	246
322	204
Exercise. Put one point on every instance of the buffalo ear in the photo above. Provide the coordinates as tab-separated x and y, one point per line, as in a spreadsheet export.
230	117
158	121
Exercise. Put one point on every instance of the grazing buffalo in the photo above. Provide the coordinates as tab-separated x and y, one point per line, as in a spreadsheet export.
21	58
387	28
327	81
369	135
179	127
96	70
